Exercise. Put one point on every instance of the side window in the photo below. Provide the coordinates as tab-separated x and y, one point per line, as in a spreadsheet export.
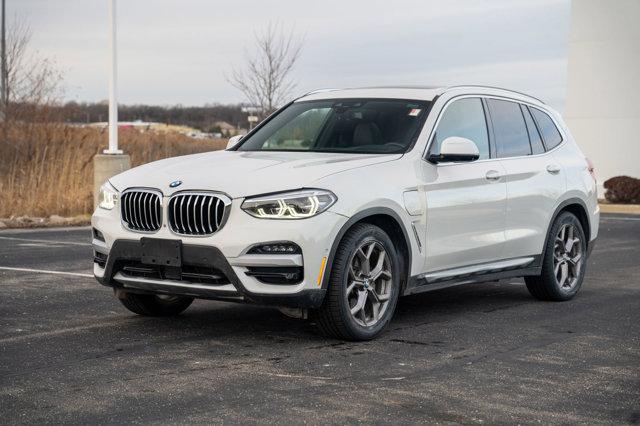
550	133
512	139
463	118
534	135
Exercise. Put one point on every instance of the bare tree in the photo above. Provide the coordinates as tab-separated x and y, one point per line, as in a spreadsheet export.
32	81
266	78
32	88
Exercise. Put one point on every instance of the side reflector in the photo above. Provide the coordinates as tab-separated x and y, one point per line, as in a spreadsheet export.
321	273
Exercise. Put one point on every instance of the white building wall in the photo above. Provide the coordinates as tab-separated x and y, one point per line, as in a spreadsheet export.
603	87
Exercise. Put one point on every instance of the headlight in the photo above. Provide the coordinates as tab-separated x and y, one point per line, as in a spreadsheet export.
290	205
107	197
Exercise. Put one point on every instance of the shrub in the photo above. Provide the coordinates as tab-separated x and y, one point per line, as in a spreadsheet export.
622	189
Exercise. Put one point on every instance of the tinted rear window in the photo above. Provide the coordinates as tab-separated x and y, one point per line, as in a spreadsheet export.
534	135
512	139
550	133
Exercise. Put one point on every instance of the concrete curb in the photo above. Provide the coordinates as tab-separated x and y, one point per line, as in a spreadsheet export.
620	208
44	229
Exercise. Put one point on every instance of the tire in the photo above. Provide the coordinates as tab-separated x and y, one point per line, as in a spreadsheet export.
154	306
550	285
349	285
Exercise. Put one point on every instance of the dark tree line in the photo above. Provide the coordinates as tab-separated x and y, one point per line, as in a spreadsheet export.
199	117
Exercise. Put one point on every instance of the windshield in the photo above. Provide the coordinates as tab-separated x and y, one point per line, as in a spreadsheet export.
341	125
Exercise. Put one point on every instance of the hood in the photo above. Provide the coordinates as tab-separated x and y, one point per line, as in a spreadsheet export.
243	173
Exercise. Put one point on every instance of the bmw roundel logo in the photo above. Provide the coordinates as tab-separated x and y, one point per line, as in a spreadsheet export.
175	183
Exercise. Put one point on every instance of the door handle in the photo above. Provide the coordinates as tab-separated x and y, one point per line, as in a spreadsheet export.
554	169
493	175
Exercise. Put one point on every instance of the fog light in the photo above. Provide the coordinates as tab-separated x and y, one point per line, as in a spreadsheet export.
276	248
284	275
100	259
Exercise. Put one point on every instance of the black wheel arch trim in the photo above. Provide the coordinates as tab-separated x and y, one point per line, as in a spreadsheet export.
562	206
369	212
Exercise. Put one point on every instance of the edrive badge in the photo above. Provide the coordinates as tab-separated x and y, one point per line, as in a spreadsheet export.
175	183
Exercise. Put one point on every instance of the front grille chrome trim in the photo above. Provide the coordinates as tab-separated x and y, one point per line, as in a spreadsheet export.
141	210
195	214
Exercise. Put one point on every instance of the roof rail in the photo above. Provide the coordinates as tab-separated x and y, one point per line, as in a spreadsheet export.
313	92
495	87
403	86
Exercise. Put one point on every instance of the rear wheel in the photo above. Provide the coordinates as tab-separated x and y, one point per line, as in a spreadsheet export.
363	286
563	266
154	305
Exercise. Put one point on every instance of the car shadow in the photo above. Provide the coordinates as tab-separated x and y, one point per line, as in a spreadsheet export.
216	320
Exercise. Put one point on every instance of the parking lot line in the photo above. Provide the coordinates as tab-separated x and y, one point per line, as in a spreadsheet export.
72	243
61	331
45	271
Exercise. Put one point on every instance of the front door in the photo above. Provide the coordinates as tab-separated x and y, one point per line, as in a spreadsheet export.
465	202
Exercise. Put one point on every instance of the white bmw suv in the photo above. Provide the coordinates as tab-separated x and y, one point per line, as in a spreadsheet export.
344	200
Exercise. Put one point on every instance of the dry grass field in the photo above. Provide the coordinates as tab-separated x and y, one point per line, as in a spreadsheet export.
47	169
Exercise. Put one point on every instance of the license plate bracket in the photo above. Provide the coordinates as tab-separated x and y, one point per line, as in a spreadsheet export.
162	252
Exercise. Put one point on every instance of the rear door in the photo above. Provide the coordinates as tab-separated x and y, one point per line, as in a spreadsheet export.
466	201
534	179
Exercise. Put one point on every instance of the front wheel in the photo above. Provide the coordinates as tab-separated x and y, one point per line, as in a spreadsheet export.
563	265
363	286
154	305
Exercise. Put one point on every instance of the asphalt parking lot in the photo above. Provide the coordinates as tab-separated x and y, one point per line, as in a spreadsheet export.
483	353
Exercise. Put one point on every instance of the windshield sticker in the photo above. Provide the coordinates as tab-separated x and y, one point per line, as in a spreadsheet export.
414	112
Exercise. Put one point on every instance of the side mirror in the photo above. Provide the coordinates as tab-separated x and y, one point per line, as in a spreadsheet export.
455	148
233	141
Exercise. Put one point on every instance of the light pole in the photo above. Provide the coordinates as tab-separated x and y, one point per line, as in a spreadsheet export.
112	161
113	74
3	64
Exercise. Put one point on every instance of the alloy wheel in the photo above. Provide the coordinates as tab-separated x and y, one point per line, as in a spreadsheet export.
369	283
567	257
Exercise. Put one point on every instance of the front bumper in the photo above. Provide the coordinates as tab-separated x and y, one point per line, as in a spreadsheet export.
231	289
224	253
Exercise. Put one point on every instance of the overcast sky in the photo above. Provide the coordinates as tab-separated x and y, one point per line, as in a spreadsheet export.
177	51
